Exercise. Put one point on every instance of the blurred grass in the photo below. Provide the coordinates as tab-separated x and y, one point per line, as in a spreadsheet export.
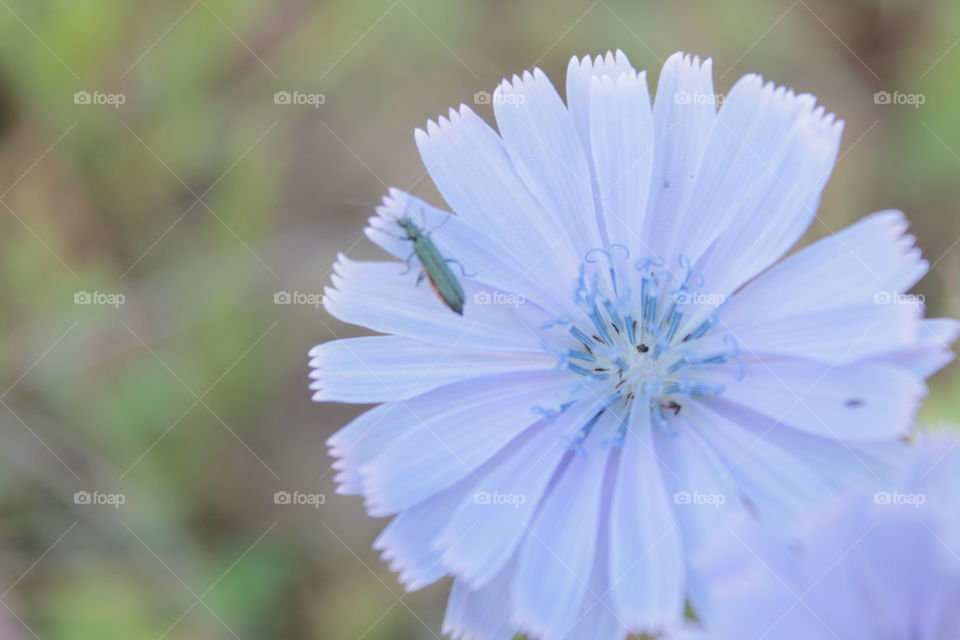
190	397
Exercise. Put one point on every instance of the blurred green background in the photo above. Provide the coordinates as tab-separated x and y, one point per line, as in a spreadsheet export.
200	199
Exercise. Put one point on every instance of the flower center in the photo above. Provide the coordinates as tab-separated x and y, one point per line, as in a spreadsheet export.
647	334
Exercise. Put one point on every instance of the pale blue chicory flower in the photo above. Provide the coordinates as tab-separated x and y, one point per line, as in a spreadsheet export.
882	564
633	365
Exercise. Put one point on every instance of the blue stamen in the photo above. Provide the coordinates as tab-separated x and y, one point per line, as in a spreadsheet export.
621	435
578	369
587	257
693	280
735	356
703	389
580	335
702	329
649	263
577	443
556	322
661	421
626	251
613	282
675	317
614	316
582	355
600	325
649	303
548	414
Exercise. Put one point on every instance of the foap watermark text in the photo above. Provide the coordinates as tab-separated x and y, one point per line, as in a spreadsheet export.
104	298
299	98
99	98
99	498
498	297
495	498
299	498
314	300
897	98
699	498
898	498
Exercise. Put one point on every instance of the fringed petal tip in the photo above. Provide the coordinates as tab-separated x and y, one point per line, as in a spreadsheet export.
612	64
802	109
445	126
689	62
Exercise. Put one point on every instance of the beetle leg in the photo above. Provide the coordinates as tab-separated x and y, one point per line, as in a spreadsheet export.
463	270
409	262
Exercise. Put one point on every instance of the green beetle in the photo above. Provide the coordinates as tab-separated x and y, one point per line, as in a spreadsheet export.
435	267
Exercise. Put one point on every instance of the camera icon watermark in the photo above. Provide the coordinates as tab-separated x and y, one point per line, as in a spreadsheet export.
314	300
99	298
898	498
499	297
699	498
99	498
299	98
298	498
897	98
96	97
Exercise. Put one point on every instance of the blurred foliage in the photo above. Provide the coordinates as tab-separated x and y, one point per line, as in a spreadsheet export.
199	198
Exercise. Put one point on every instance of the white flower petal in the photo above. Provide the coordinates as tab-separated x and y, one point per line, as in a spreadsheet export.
884	555
841	335
683	115
484	258
647	563
390	368
362	440
480	614
769	155
382	297
473	171
932	351
448	433
598	619
704	495
844	463
621	125
869	261
561	548
548	155
610	106
778	199
782	489
869	402
487	527
405	542
580	75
